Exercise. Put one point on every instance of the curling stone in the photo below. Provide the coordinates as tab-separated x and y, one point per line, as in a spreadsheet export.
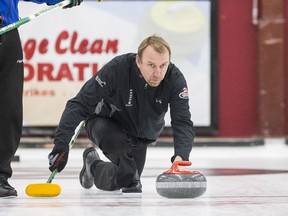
175	183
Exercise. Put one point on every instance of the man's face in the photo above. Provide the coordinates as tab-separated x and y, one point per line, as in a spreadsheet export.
153	65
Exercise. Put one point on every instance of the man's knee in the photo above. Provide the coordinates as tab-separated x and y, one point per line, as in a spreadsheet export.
107	134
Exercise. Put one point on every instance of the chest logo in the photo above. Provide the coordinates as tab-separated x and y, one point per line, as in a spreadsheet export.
158	101
184	94
130	98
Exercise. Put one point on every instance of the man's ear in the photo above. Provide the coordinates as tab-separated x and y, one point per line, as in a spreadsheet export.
138	61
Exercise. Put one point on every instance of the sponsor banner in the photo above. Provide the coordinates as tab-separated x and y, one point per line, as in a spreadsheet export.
65	48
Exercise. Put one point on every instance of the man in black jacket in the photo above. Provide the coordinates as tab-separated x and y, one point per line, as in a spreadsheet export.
124	106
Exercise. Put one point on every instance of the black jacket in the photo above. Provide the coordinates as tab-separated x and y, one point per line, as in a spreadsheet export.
118	91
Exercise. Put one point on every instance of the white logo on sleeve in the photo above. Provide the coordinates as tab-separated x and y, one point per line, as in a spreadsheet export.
101	83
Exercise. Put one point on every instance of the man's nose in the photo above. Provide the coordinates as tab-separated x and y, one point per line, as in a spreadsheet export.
157	72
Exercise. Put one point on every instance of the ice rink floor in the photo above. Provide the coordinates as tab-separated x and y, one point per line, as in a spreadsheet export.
240	181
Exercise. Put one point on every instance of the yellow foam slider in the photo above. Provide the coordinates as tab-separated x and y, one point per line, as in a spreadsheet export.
43	190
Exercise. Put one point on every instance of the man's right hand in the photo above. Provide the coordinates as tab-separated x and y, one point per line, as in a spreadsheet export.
178	158
57	159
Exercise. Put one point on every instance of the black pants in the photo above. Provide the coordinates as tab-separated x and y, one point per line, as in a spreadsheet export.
11	91
127	155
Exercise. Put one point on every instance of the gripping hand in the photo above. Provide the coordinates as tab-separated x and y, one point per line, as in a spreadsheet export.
73	3
57	159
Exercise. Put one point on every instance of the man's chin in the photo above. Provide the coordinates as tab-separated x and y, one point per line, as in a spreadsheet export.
154	84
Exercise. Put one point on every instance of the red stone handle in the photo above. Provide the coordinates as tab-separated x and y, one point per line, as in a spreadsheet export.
175	169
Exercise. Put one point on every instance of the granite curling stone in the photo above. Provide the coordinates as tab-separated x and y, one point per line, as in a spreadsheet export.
181	184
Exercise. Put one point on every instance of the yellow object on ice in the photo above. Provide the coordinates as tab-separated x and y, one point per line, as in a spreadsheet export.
43	190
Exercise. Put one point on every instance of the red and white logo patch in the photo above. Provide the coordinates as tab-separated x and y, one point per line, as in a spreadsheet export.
184	94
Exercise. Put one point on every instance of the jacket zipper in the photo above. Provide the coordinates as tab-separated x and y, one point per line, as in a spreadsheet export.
140	132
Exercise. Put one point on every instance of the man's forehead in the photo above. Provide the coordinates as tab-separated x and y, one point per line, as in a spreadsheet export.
151	61
153	56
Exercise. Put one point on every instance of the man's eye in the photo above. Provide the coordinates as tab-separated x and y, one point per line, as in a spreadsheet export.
151	65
